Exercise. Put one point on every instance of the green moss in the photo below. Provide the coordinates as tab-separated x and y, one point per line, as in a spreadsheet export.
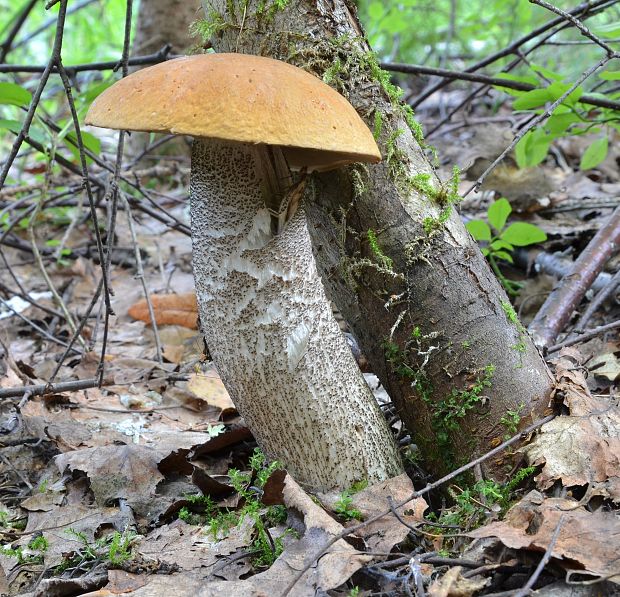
445	196
378	126
267	10
446	413
512	317
511	421
208	27
381	258
331	74
473	503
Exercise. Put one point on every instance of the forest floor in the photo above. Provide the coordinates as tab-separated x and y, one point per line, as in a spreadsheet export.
151	485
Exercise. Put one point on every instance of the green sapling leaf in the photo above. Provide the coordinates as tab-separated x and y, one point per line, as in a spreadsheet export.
498	213
595	154
479	229
522	234
13	94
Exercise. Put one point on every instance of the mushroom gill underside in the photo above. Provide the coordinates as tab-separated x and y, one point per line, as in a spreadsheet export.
271	331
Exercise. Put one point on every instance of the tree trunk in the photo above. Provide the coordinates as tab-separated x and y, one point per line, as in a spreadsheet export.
270	329
432	319
162	22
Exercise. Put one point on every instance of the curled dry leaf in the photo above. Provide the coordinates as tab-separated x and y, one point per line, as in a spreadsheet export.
585	541
584	447
169	309
452	584
129	472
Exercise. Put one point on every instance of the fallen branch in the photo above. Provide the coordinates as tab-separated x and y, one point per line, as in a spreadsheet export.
558	308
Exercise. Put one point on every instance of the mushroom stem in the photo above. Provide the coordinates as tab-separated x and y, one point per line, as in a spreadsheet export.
272	334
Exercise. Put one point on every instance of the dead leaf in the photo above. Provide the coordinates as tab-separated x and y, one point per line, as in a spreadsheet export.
210	388
585	542
383	534
169	309
584	447
129	472
605	365
452	584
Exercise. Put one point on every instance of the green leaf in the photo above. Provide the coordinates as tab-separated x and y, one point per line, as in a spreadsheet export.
610	75
518	78
595	154
608	30
503	255
91	143
499	244
557	89
12	125
13	94
558	122
498	213
479	229
376	10
532	149
545	72
521	234
532	99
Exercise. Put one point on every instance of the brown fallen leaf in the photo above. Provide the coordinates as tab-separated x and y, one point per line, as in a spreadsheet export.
210	388
169	309
587	541
584	447
129	472
452	584
186	546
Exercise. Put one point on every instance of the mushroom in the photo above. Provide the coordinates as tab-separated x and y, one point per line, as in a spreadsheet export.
263	310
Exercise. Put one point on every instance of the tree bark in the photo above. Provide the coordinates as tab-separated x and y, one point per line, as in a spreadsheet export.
432	319
162	22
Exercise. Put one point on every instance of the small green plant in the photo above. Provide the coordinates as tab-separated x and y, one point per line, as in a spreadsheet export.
511	421
249	485
498	240
343	506
31	554
377	252
114	549
473	504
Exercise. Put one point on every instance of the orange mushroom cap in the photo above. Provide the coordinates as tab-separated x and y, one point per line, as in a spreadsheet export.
244	98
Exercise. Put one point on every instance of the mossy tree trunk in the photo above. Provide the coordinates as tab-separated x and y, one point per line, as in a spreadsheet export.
429	314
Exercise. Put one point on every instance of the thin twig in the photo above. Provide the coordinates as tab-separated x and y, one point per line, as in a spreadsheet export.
589	8
33	325
36	97
148	59
140	276
535	122
596	302
477	78
578	24
20	19
614	325
49	388
544	560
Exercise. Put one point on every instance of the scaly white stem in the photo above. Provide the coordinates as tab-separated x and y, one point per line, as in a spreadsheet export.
272	334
